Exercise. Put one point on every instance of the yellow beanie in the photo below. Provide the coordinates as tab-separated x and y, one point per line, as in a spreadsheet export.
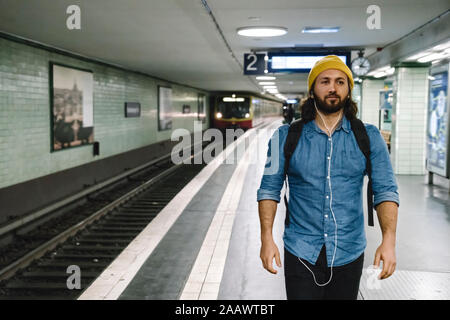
329	62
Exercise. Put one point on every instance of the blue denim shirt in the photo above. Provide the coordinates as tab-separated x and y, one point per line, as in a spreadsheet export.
311	201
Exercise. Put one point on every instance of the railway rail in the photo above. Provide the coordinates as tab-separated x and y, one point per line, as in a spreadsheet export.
89	236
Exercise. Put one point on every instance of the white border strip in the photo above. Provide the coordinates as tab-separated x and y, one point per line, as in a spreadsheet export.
116	277
206	275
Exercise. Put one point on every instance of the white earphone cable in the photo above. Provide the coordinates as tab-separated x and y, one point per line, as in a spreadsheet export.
331	200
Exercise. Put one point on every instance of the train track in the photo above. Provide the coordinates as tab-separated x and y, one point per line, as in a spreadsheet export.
102	228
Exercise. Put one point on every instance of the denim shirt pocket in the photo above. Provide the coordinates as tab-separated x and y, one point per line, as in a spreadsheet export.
353	163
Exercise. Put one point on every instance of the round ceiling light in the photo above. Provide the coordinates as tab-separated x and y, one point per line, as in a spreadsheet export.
261	31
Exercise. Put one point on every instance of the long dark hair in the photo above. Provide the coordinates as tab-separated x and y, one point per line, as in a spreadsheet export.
308	110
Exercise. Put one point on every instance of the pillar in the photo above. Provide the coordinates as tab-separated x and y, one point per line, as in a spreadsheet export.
409	114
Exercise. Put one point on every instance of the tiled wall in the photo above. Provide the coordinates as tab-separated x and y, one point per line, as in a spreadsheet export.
370	105
356	96
409	120
25	113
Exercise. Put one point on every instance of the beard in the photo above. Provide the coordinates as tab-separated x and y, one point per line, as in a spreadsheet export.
328	106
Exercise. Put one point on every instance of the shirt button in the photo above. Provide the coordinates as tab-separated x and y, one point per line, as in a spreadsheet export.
327	197
328	177
326	216
328	158
329	139
326	235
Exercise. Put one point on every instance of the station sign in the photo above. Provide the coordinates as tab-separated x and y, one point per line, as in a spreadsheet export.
254	64
132	109
300	62
281	62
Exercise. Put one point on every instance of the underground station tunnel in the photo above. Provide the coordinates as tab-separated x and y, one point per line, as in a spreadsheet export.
242	151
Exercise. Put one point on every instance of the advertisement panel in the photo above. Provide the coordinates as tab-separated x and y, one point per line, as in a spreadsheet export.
437	129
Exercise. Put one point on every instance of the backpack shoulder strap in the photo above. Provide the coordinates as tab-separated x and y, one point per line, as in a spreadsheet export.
361	136
363	141
294	133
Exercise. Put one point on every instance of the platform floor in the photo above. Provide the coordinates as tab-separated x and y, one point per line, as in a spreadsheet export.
205	244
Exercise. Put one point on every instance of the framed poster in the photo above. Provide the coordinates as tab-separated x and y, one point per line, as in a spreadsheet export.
165	112
71	100
201	104
385	112
438	120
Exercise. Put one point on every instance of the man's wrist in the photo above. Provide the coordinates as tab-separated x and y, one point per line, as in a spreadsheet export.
266	236
389	238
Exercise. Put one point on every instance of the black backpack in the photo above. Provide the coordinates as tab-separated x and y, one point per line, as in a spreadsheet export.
294	133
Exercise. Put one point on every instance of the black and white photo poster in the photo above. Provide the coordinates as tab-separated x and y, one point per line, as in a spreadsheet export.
164	108
72	107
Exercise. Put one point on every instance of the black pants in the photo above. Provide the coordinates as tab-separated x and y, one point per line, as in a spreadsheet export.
300	283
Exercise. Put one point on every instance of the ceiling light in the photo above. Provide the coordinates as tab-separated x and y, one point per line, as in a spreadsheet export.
266	83
380	72
441	46
385	68
265	78
437	52
261	31
320	29
269	87
390	71
418	55
233	99
431	57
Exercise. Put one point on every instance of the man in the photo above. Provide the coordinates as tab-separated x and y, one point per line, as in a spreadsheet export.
288	113
325	239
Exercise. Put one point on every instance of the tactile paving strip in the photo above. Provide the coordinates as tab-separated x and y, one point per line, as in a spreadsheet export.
405	285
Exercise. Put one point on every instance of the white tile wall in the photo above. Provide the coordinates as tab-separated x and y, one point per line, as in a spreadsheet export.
371	101
409	120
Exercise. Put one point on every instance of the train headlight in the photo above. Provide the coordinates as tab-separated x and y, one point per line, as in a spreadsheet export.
247	115
218	115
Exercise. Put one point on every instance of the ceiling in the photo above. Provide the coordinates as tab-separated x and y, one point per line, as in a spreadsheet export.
178	40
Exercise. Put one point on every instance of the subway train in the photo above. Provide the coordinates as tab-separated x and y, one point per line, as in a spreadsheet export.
242	110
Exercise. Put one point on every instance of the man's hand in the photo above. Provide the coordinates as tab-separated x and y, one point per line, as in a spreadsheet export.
269	250
387	216
386	252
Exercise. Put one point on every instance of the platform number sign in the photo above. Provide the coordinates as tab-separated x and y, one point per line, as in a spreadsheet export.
254	63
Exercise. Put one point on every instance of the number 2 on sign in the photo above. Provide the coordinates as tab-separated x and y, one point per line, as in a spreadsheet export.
251	64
